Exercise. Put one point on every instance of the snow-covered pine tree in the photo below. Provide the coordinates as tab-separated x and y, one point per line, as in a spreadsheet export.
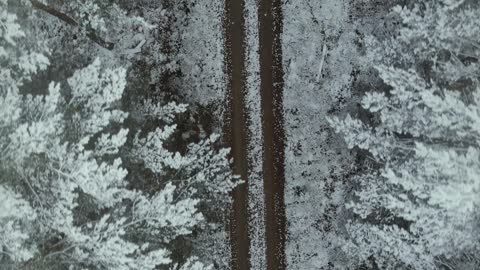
66	203
100	21
420	209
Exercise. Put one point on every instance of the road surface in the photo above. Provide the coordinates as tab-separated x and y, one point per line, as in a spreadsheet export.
236	131
271	76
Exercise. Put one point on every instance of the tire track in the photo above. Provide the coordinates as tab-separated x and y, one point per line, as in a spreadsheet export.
236	131
271	74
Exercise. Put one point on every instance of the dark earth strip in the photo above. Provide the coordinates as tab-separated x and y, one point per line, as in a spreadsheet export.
236	130
271	75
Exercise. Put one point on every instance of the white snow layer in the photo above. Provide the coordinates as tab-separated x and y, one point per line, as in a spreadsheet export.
255	152
317	37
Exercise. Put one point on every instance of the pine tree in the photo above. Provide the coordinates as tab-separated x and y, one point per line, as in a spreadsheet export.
419	210
99	21
66	203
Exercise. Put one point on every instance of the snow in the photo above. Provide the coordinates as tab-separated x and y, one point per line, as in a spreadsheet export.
199	31
317	36
200	55
255	152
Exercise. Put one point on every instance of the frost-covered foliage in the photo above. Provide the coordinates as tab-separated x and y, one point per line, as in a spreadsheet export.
93	94
16	58
420	209
200	165
98	15
16	218
89	28
166	113
440	36
106	18
66	203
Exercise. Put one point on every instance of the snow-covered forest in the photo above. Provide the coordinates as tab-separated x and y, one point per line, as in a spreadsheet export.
239	134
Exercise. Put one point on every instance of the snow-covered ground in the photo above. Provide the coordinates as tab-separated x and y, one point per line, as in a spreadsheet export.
255	185
201	51
319	56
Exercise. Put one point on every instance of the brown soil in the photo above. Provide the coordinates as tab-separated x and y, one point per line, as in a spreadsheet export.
271	74
236	131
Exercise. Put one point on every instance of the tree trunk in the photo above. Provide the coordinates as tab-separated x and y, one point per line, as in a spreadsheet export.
91	34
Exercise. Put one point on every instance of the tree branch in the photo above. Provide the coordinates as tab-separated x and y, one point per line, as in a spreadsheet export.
91	34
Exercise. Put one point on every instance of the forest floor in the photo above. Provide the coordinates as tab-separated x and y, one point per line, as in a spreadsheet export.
319	57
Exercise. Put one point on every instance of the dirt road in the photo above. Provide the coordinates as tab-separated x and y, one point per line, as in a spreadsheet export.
236	131
271	75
